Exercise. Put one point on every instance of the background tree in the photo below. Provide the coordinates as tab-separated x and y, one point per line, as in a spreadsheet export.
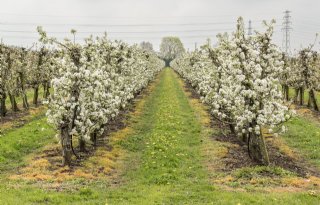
171	48
147	46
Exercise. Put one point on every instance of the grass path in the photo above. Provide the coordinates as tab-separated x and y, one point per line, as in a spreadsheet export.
165	158
166	147
166	164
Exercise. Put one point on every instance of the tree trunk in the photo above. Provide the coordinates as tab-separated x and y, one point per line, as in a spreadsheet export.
296	90
66	146
313	99
244	138
283	91
35	95
24	96
167	62
232	129
286	92
257	148
82	145
13	102
46	90
15	105
94	139
3	108
301	100
25	101
309	100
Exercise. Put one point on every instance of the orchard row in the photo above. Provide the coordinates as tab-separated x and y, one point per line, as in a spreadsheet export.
245	80
91	83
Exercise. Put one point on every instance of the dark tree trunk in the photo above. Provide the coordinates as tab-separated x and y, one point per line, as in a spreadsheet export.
94	139
257	148
309	105
232	129
301	100
313	100
296	95
66	146
16	109
286	92
24	96
82	145
167	62
36	95
25	101
3	108
14	105
47	93
46	90
244	137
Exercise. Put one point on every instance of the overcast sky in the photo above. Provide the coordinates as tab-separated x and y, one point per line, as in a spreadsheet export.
136	20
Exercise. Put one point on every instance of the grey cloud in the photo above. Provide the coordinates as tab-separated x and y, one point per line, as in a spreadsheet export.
59	16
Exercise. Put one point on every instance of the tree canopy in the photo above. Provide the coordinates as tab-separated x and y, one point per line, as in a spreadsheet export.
171	48
147	46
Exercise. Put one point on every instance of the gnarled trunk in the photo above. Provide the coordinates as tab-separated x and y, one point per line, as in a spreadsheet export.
66	146
21	80
82	145
46	90
94	139
296	95
25	101
285	90
301	99
313	100
257	148
14	105
232	129
36	95
3	108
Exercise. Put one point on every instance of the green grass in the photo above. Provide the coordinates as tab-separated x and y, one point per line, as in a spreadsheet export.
15	144
164	164
304	135
27	195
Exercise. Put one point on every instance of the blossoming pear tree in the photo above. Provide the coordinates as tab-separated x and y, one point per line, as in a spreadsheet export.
94	82
239	80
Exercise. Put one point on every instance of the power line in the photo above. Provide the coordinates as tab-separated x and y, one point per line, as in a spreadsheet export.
124	37
131	17
119	25
114	25
114	32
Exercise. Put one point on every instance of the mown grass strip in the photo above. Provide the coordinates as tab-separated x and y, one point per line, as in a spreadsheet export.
304	136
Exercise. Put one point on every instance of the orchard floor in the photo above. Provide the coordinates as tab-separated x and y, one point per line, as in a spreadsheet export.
166	154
